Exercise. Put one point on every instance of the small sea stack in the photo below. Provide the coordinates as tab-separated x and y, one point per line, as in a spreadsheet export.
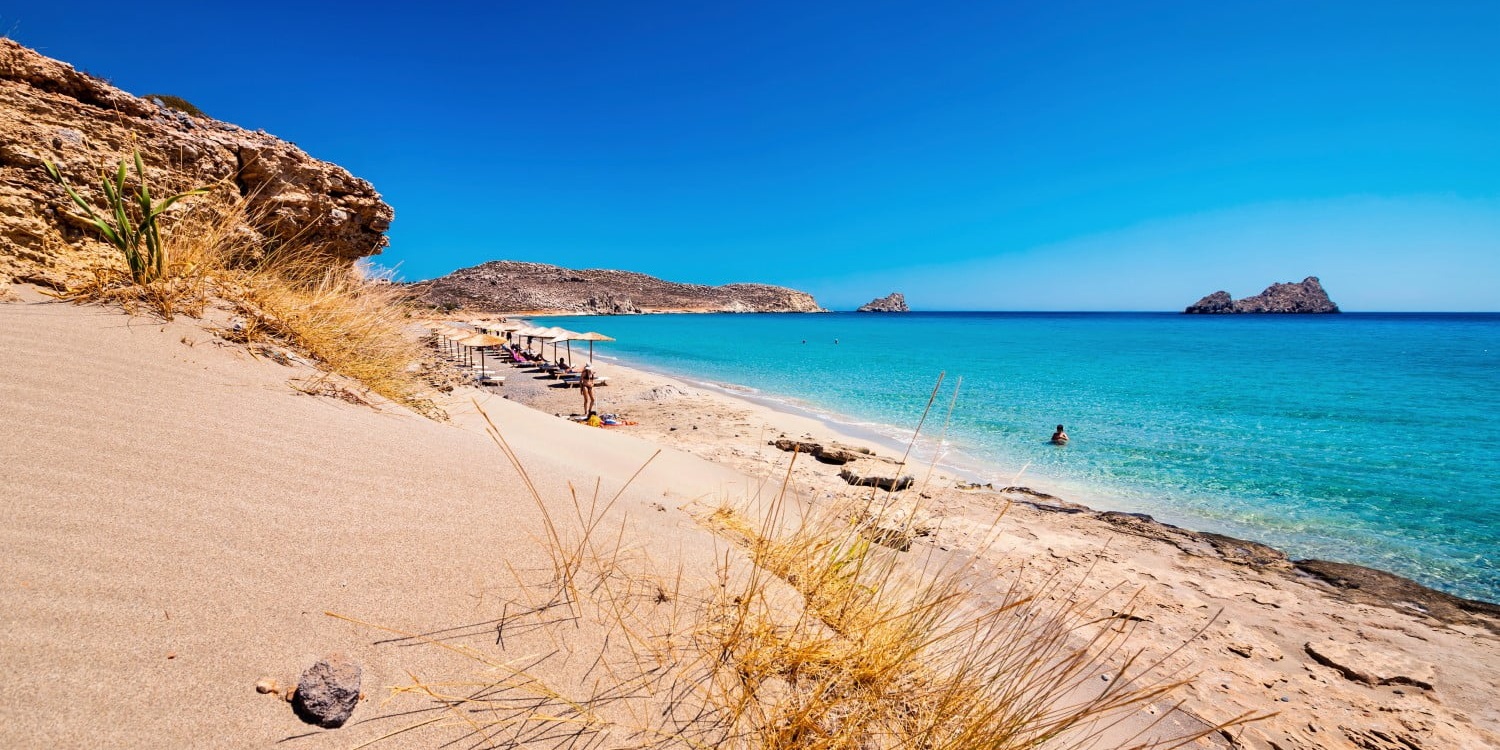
893	302
1305	298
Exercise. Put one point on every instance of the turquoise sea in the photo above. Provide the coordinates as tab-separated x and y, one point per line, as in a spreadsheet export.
1364	438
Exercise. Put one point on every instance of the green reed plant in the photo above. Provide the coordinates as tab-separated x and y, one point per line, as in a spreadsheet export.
132	224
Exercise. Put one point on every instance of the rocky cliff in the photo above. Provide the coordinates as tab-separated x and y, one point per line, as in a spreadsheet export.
51	112
514	286
893	302
1306	297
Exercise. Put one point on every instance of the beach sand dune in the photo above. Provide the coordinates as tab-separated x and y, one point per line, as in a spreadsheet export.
178	520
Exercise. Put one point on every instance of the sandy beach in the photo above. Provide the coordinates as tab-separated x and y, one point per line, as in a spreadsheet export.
180	522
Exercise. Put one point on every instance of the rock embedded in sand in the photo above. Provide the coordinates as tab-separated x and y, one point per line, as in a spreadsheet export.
328	691
837	456
892	484
1369	664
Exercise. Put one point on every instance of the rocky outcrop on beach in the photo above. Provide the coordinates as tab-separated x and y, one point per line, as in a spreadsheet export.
51	112
893	302
514	286
1304	298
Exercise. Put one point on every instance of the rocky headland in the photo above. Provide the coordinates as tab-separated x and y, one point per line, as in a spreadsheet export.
508	286
893	302
51	112
1307	297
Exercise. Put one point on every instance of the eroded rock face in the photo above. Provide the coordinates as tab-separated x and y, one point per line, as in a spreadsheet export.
51	112
893	302
1303	298
515	286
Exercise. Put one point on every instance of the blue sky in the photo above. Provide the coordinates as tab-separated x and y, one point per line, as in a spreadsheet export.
972	155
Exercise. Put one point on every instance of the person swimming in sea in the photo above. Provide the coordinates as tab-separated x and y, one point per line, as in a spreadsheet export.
1059	437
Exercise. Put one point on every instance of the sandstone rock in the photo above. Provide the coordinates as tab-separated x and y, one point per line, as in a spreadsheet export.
503	286
1368	664
51	112
1303	298
328	691
801	446
827	454
836	456
894	302
1378	587
893	484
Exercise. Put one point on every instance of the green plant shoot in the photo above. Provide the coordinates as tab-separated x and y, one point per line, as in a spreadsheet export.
132	225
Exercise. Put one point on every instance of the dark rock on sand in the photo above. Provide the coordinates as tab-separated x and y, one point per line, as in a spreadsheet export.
1305	298
328	691
894	302
835	456
824	453
893	484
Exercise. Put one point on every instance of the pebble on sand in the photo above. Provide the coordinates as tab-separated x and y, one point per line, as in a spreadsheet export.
328	691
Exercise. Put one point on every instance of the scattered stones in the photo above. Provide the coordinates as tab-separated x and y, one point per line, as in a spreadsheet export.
328	691
266	685
1364	663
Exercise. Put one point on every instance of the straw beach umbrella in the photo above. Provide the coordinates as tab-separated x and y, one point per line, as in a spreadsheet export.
554	336
591	337
482	341
452	334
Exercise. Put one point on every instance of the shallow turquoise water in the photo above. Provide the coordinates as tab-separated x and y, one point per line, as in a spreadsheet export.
1364	438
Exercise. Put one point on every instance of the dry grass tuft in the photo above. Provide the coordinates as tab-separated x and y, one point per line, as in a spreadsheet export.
292	294
811	637
334	316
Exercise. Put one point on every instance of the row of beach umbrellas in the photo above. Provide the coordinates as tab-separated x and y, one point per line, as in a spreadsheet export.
486	334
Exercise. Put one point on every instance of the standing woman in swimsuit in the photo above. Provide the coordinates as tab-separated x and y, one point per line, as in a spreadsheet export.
586	387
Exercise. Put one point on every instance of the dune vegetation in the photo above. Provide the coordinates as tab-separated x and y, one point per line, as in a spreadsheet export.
198	249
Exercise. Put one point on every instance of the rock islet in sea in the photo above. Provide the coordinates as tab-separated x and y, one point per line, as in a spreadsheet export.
1302	298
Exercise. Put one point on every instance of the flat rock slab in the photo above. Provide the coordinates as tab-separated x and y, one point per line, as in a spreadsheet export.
328	691
1370	664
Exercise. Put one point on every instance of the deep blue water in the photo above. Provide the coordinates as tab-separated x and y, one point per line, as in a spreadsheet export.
1365	438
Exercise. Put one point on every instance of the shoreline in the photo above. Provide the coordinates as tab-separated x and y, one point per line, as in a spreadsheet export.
1328	645
1413	591
978	470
